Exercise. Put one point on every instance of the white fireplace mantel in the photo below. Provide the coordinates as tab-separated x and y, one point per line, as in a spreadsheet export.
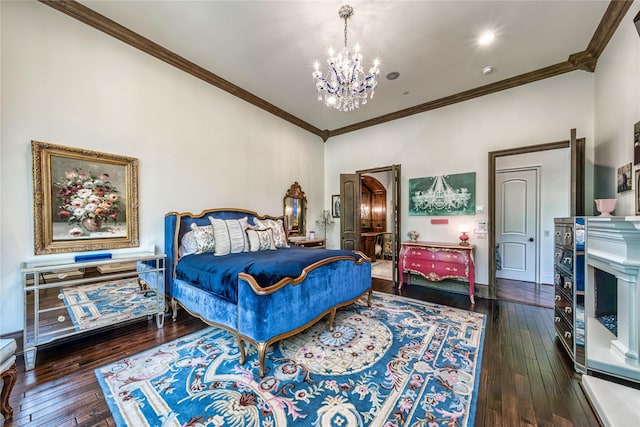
615	238
613	246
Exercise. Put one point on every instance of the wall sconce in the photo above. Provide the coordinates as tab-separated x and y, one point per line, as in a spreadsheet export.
464	237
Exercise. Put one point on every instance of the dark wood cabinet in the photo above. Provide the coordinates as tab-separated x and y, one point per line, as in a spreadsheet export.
365	209
368	243
373	206
379	211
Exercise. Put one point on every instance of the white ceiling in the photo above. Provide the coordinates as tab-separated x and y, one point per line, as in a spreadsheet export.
269	47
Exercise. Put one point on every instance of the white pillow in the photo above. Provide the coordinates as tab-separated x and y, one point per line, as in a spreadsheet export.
230	235
204	238
260	240
188	245
279	236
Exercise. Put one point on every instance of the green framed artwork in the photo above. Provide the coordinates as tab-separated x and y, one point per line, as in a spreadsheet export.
443	195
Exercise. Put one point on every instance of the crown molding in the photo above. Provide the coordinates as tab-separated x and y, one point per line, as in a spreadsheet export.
542	73
608	25
102	23
585	61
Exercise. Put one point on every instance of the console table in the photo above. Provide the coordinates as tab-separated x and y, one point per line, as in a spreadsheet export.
437	261
68	298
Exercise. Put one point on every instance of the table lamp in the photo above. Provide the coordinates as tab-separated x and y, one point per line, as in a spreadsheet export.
464	237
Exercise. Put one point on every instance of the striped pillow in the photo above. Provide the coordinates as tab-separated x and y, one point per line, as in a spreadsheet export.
229	235
260	240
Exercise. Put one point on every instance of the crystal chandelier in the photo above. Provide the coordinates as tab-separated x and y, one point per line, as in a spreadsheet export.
346	86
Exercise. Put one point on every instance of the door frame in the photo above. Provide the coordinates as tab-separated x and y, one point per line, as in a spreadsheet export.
577	166
395	216
537	170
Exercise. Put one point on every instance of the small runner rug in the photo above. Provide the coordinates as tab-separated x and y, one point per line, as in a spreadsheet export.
401	362
101	304
382	269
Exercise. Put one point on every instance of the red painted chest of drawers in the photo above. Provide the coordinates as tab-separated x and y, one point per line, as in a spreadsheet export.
437	261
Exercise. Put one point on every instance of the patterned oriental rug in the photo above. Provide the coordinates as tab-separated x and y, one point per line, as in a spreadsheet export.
401	362
102	304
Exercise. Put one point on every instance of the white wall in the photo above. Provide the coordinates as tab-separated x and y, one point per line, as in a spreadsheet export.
198	147
555	190
457	138
617	108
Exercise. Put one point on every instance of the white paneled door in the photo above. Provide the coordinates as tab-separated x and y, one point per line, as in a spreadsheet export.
516	224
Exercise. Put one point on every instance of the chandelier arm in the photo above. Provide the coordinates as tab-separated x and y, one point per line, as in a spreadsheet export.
354	73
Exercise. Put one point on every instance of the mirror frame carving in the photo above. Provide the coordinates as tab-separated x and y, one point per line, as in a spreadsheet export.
295	192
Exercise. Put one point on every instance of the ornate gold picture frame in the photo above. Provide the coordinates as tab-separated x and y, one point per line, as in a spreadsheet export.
83	200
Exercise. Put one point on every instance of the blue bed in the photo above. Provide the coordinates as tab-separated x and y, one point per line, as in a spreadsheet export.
264	296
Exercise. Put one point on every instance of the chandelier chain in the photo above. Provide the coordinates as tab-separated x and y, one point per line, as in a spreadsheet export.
345	31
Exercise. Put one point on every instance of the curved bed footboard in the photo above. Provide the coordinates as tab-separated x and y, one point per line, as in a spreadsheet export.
268	315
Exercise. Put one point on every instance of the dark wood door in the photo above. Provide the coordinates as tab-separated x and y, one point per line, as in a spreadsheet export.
395	218
350	215
577	147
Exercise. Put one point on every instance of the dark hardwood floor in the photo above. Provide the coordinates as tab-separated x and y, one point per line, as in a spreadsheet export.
525	292
526	378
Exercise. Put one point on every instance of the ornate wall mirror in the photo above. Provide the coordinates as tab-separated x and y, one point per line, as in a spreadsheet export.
295	210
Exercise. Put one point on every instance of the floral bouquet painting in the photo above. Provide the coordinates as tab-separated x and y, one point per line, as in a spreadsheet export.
87	201
83	200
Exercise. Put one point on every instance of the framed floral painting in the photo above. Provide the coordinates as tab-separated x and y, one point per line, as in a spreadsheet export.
83	200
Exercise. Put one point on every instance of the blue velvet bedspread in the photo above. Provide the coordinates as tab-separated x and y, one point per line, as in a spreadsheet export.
219	274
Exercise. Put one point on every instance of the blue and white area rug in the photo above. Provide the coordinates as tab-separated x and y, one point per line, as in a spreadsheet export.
95	305
400	362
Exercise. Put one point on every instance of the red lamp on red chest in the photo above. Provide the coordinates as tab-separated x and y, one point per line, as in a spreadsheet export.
464	236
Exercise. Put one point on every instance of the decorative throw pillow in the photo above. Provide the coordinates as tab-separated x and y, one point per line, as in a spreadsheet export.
204	238
260	240
188	245
230	235
279	236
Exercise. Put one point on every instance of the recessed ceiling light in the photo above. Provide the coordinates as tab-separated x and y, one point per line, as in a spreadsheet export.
406	92
486	38
393	75
487	70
